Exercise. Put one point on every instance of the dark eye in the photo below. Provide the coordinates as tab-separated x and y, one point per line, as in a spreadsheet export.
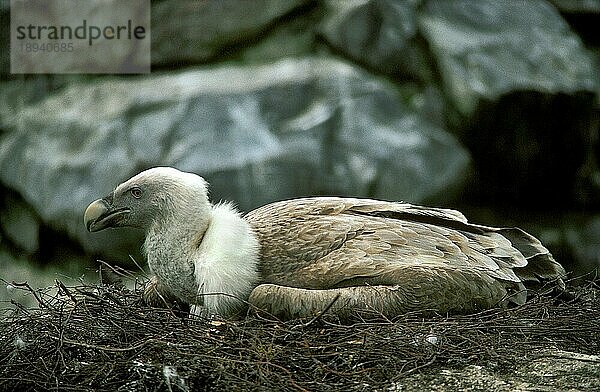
136	192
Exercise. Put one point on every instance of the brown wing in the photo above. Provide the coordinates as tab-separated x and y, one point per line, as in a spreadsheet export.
324	243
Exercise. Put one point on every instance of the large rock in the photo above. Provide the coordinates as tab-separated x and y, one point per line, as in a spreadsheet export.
293	128
524	88
189	31
295	36
383	34
487	49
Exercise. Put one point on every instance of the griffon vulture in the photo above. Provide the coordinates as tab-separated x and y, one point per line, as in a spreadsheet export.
296	258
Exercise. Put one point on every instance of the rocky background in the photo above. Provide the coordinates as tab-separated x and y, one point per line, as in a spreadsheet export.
487	106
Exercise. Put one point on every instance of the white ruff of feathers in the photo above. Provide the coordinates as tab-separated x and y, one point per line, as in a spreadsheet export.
207	255
227	261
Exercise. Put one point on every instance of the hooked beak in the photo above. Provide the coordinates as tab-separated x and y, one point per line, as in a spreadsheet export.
100	214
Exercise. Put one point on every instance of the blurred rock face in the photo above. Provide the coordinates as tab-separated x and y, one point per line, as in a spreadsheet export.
382	34
190	31
489	49
279	100
524	87
257	134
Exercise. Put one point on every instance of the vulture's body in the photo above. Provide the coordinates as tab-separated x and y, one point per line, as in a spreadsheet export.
295	258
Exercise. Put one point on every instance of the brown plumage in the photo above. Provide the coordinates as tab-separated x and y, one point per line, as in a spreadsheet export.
389	258
299	257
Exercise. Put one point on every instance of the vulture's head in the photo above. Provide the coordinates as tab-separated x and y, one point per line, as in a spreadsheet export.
154	195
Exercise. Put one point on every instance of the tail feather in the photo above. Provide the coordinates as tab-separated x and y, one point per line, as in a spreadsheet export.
541	266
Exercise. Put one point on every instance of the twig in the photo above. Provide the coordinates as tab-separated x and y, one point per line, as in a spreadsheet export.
64	289
321	313
32	291
427	364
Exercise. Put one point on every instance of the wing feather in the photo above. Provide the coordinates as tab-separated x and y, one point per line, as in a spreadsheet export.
324	243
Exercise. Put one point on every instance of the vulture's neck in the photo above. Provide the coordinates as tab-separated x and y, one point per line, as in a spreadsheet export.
202	252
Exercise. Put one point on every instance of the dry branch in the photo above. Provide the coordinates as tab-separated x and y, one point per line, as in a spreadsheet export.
102	337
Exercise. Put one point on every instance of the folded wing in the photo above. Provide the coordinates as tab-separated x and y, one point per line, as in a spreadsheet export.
333	243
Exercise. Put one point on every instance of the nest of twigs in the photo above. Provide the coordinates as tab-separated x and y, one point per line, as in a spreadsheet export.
101	337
